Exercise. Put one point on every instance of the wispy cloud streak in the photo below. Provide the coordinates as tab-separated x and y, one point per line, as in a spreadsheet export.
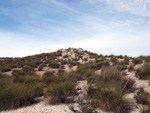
137	7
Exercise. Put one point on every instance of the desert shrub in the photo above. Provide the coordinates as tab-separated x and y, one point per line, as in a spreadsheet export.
144	72
85	72
80	57
5	69
65	56
88	109
108	89
41	67
27	79
120	56
59	53
88	69
137	60
33	64
146	110
124	62
85	59
64	62
28	70
75	59
131	68
3	76
59	92
93	65
103	57
14	66
60	87
143	97
18	73
121	67
147	59
73	63
47	74
62	67
14	94
61	72
54	64
113	59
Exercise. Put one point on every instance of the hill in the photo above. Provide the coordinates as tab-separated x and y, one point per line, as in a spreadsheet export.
75	80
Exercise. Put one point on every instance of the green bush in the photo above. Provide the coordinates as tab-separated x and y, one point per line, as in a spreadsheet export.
65	56
61	72
131	68
85	73
147	59
41	68
60	87
64	62
28	70
88	109
124	62
143	97
113	59
15	93
146	110
144	72
137	60
108	89
5	69
73	63
54	64
47	74
93	65
3	75
18	73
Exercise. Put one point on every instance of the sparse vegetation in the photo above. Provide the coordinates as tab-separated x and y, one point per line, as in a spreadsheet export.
131	68
88	109
143	97
61	87
41	67
16	92
137	60
144	72
107	90
54	64
113	59
146	110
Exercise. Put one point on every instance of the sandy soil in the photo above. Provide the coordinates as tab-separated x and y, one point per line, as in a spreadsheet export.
42	107
98	71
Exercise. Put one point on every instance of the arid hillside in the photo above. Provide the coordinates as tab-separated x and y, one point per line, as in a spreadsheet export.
75	81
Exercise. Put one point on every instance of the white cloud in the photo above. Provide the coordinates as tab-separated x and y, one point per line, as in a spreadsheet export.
18	45
13	45
117	43
80	29
138	7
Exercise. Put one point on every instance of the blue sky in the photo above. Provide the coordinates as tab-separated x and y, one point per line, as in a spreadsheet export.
29	27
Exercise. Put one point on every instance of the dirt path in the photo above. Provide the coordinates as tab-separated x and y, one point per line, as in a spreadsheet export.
79	99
